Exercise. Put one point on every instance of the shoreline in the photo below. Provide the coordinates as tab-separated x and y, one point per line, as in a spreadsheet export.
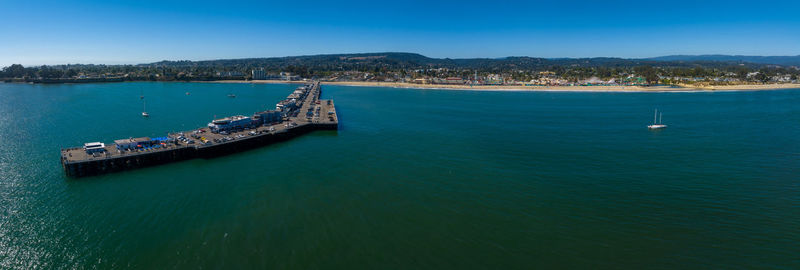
517	88
537	88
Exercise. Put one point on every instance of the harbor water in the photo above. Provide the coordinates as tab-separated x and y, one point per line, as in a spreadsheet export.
413	179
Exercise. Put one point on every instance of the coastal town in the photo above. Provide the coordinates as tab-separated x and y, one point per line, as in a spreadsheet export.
442	76
405	69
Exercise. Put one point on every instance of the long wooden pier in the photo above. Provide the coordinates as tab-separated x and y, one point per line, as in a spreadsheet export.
309	114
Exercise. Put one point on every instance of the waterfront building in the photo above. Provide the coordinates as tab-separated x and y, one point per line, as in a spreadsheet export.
94	147
633	80
453	80
259	74
267	117
300	93
230	74
422	81
230	123
494	79
287	76
132	143
286	105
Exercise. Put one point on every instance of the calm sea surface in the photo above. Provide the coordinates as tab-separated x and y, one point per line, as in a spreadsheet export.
413	179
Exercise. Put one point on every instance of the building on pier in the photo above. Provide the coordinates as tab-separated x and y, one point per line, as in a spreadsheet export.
94	147
230	123
132	143
267	117
286	105
141	142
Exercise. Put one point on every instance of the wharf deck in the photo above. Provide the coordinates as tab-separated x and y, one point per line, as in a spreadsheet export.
312	114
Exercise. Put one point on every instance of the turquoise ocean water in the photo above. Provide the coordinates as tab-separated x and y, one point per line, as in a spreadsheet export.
414	179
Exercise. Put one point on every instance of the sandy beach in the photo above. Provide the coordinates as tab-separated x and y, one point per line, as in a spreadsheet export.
776	86
680	88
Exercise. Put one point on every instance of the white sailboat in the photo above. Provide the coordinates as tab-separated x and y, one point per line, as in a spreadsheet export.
656	125
144	111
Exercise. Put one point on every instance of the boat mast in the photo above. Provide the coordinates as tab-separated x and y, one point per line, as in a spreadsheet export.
660	117
654	117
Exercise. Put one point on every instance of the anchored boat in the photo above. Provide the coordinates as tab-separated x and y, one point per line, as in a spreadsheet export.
657	125
144	112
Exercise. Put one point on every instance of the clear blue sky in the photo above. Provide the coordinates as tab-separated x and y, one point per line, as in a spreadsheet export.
57	32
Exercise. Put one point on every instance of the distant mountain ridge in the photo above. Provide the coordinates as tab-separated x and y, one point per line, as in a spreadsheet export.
403	60
768	60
